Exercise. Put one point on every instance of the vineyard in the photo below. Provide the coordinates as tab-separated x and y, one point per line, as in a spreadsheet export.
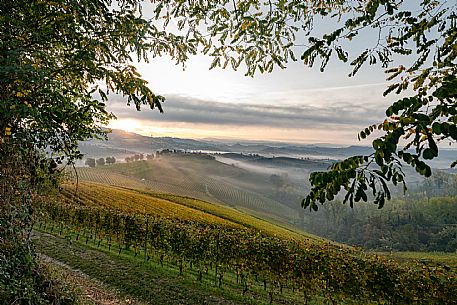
170	206
196	177
308	270
128	201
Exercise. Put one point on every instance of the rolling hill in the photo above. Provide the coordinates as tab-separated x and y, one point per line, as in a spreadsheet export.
145	244
203	177
121	144
171	206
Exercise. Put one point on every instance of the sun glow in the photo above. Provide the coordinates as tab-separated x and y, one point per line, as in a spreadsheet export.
128	125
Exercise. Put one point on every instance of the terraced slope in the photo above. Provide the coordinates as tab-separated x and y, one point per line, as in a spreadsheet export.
201	177
193	236
171	206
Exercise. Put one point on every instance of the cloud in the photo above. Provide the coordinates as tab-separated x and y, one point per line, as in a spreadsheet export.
317	112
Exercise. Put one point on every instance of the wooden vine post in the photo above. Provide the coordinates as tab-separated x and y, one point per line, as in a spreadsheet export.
217	255
146	240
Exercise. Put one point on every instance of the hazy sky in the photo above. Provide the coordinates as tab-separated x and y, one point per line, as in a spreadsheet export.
297	104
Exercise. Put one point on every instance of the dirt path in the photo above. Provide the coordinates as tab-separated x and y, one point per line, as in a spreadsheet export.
101	277
88	290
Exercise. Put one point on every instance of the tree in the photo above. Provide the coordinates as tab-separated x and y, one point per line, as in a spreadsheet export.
55	56
24	173
90	162
110	160
278	180
100	162
59	61
260	35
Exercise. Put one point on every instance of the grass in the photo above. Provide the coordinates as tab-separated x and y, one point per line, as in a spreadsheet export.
175	206
198	177
440	258
105	175
136	202
86	290
147	281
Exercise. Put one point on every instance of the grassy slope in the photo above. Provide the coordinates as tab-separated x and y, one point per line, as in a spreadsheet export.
131	276
198	177
137	202
147	282
174	206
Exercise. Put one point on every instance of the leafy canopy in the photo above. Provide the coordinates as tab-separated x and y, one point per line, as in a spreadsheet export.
264	34
416	123
60	59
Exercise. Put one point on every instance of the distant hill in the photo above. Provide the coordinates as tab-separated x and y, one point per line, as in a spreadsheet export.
122	144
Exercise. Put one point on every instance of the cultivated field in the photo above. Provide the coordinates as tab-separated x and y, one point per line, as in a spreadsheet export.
231	250
201	177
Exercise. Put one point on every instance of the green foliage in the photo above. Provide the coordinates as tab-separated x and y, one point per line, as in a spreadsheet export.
337	274
22	281
60	59
110	160
415	124
412	223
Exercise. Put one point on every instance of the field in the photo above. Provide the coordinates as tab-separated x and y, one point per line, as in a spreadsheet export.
440	258
134	202
201	177
226	249
173	207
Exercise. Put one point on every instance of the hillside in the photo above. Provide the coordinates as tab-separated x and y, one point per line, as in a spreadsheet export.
204	177
121	144
170	206
146	245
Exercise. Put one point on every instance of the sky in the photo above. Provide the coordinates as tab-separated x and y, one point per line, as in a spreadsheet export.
297	105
